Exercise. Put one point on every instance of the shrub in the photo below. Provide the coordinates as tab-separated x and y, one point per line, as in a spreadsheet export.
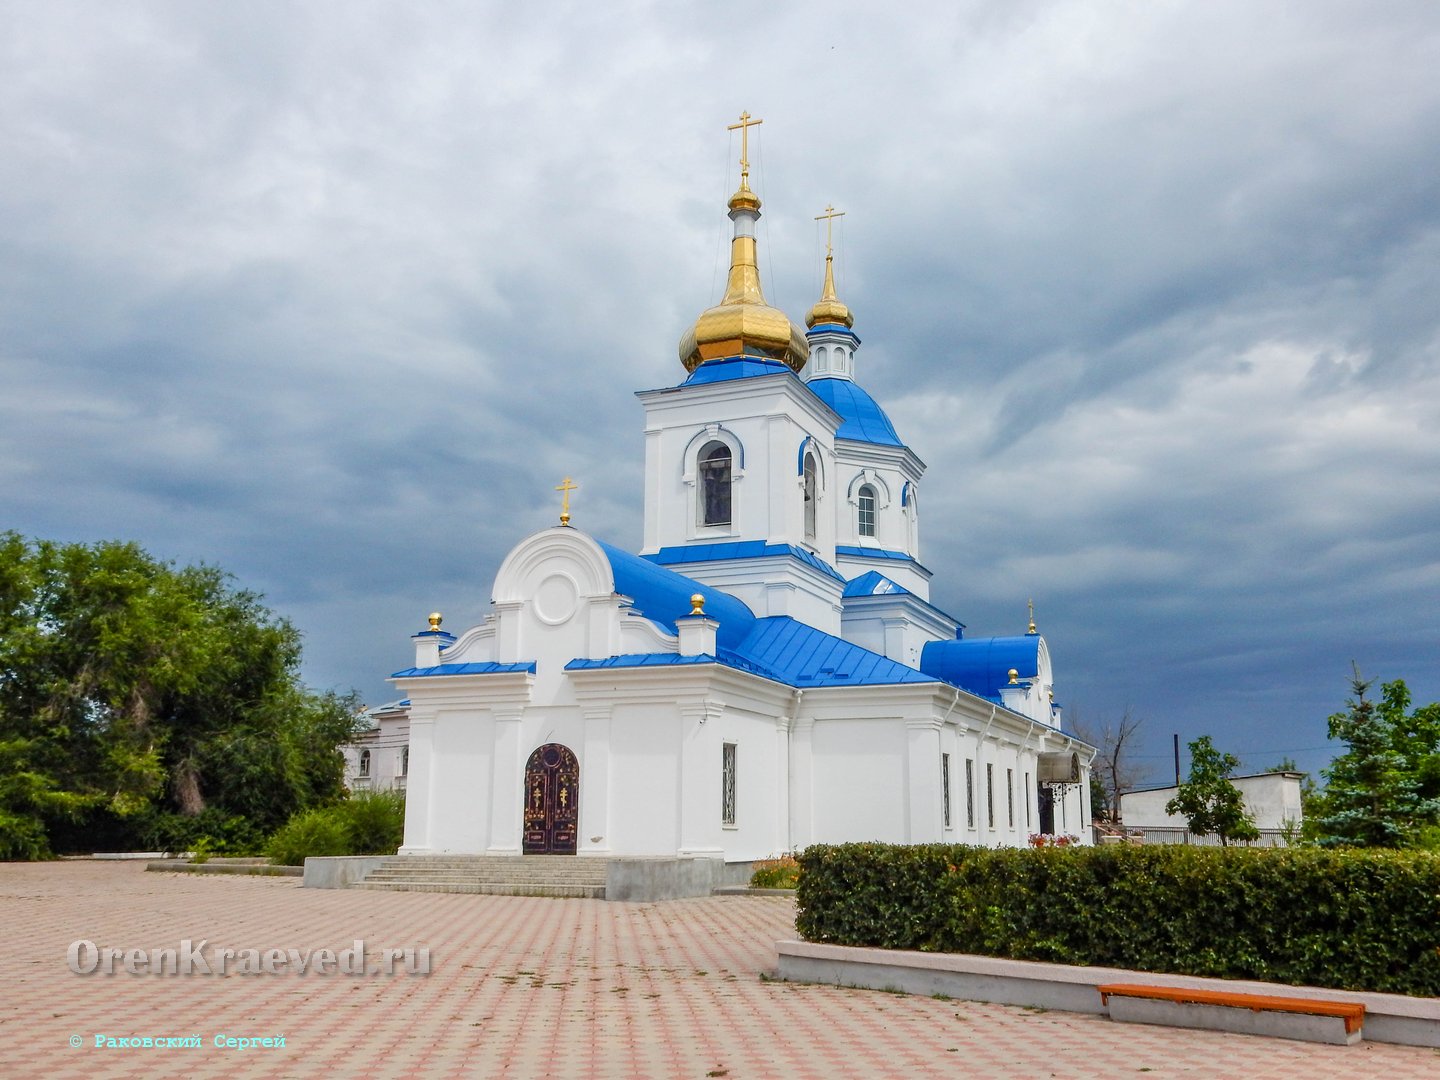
212	831
1354	920
781	873
370	823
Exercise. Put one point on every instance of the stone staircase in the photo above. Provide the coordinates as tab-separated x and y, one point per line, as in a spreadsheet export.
495	875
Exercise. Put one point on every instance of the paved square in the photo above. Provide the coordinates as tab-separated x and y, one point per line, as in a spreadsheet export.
529	987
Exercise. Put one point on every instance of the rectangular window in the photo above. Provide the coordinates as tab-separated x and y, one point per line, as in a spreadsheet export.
727	784
969	793
1028	819
989	794
1060	798
1010	797
945	786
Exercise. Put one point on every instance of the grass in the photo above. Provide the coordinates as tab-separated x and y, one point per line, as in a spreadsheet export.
781	873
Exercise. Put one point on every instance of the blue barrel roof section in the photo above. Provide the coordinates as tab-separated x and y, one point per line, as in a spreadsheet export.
663	596
863	420
982	665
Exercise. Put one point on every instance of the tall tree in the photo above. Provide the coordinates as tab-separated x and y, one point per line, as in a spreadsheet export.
1114	769
1384	791
130	688
1209	801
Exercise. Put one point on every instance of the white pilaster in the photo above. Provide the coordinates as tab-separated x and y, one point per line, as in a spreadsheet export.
506	776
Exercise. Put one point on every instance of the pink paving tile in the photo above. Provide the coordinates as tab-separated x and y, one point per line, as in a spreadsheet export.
531	987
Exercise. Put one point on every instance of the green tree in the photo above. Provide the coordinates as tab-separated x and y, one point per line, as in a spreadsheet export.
1209	801
1384	791
132	691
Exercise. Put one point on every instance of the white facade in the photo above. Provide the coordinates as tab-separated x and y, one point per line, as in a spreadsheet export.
809	693
1271	799
378	758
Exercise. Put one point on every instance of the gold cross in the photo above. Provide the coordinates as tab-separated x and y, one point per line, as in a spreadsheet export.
829	217
744	125
565	487
1032	617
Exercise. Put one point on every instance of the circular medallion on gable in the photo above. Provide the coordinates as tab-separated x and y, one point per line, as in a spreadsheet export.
556	599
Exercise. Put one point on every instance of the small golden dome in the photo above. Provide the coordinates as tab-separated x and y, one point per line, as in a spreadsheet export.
697	604
435	620
829	308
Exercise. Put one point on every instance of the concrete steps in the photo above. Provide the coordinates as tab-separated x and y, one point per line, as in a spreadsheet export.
494	875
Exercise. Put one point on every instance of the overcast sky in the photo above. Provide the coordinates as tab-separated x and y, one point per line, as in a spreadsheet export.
333	294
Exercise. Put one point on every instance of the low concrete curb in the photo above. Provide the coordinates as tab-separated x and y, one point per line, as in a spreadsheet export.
1392	1018
215	866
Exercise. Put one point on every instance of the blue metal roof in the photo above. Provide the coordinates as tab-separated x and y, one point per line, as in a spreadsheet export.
862	418
734	367
787	651
739	549
982	665
833	328
488	667
799	655
872	583
662	595
877	553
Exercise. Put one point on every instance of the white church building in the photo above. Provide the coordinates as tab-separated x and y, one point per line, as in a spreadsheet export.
768	671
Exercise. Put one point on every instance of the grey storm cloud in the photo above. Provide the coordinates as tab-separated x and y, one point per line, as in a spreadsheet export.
334	295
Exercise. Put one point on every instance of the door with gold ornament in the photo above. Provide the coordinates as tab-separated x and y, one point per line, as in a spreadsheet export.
552	801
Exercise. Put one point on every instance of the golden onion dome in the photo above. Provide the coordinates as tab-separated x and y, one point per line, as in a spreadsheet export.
743	324
829	308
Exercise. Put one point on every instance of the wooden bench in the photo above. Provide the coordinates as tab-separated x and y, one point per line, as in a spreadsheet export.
1308	1019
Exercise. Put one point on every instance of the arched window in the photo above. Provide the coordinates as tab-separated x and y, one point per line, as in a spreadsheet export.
364	762
810	494
865	503
715	484
405	761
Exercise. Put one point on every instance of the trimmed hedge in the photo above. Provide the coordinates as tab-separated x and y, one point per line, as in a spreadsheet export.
367	823
1348	919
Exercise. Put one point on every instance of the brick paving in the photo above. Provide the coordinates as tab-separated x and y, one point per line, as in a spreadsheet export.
532	987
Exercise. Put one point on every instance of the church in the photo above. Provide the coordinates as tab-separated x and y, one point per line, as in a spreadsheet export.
768	671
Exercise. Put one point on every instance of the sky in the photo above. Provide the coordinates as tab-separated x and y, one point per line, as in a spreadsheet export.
333	295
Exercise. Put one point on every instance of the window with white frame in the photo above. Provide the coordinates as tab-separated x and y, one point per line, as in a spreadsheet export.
1010	797
727	784
714	466
811	492
404	761
969	793
364	762
945	786
1028	818
865	510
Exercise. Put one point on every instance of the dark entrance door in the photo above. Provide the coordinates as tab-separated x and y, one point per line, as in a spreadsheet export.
552	801
1047	809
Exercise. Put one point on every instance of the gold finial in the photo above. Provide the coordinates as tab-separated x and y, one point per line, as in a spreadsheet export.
829	309
1014	677
565	487
435	619
697	604
1032	629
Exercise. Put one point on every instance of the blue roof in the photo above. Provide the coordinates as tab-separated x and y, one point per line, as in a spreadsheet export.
832	328
982	665
662	596
872	583
787	651
734	367
799	655
739	549
488	667
862	418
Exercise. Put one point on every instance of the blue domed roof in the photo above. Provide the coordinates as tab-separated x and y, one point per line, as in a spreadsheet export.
863	418
982	665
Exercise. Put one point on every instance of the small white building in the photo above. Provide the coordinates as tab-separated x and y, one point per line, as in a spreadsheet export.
768	671
379	758
1272	799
